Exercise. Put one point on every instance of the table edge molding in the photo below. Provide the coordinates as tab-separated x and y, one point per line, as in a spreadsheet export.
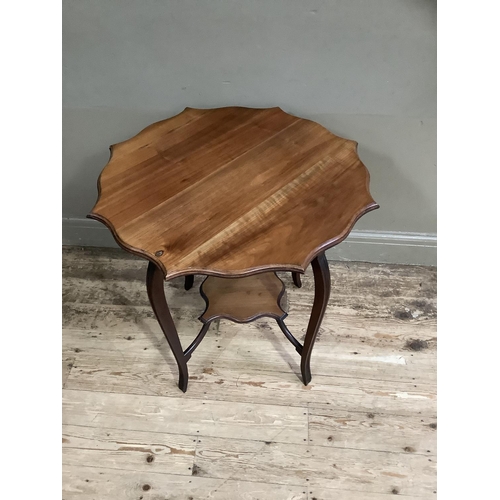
239	273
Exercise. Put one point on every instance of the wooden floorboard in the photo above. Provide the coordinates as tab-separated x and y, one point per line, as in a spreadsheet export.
247	428
128	450
304	465
241	348
82	482
283	389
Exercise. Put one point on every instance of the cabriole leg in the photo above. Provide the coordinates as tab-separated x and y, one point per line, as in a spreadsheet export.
321	296
156	294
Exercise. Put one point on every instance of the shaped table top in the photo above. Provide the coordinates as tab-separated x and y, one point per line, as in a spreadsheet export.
232	191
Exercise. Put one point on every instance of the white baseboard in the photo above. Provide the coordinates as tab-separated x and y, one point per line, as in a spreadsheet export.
391	247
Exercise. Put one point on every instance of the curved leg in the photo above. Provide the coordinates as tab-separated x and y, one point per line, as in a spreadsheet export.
188	282
156	294
194	344
289	336
296	280
321	296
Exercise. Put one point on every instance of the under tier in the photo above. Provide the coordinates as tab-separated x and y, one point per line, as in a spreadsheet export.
243	299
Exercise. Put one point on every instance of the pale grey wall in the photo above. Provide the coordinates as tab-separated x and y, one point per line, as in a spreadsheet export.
365	69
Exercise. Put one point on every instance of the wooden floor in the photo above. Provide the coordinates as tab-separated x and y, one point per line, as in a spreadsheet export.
364	428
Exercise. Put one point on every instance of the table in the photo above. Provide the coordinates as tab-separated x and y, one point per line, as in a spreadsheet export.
235	194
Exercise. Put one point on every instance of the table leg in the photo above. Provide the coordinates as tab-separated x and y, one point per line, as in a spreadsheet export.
188	282
289	336
156	293
321	296
296	280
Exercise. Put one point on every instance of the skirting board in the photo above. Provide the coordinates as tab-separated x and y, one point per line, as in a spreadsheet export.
366	246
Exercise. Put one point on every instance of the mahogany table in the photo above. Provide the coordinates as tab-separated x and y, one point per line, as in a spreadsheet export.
235	194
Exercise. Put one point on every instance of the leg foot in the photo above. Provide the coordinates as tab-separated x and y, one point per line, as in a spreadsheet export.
321	296
156	294
183	380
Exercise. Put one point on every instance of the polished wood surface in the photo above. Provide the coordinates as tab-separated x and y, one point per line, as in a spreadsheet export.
243	299
232	191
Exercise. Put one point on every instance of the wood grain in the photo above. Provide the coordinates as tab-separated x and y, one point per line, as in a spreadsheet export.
183	416
372	430
406	294
97	483
243	299
67	364
128	450
139	363
232	191
246	427
219	383
369	471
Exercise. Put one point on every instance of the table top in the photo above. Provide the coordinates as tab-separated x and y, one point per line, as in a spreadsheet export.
232	191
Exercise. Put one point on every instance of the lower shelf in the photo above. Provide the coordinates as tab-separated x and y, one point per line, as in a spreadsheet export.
243	299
